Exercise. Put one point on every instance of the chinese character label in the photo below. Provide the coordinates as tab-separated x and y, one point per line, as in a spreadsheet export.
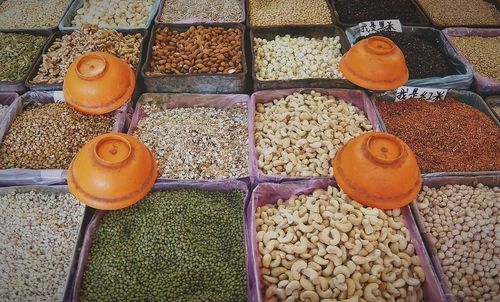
428	94
367	28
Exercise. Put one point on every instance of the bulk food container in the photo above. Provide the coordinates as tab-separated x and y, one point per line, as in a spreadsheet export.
188	19
462	78
193	83
268	193
85	245
25	176
53	27
317	32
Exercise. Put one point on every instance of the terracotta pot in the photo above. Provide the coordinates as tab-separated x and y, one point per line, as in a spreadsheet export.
112	171
98	83
378	170
375	63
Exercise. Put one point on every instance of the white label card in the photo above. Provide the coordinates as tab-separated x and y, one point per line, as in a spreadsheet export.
428	94
58	96
370	27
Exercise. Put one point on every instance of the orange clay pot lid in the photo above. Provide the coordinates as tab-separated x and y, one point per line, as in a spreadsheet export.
378	170
98	83
112	171
375	63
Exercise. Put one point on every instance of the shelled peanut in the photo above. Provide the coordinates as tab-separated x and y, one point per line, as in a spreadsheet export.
197	50
325	247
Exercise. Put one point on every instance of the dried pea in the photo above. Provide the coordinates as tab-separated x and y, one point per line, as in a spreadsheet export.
17	53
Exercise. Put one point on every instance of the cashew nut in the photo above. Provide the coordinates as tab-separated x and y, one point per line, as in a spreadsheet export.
368	292
292	286
309	296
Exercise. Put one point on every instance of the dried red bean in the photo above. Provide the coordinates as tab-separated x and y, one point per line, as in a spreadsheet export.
446	136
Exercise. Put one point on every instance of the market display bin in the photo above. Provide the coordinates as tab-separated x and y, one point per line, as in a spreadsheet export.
194	83
357	98
19	85
482	85
461	80
84	221
189	19
84	244
423	21
317	32
6	100
189	100
465	97
66	25
18	177
52	28
269	193
58	86
494	103
437	182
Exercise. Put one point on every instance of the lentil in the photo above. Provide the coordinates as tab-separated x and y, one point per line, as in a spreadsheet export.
66	49
333	247
37	232
48	136
199	49
482	53
446	136
462	223
422	54
298	135
229	11
113	12
286	58
355	11
197	143
461	12
288	12
29	14
183	245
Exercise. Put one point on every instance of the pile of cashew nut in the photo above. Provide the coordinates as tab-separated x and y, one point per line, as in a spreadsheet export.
325	247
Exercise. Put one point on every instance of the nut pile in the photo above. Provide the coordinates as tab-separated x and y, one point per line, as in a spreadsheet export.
197	143
197	50
184	245
461	12
325	246
66	49
37	232
17	53
288	12
286	58
482	53
29	14
229	11
299	135
463	223
48	136
113	12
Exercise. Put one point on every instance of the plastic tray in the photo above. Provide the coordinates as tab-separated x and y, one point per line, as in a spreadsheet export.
269	194
297	31
188	20
219	186
52	28
65	23
194	83
19	177
19	86
356	97
483	85
466	97
436	182
175	100
462	80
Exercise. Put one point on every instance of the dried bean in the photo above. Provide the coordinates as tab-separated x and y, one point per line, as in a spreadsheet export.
126	13
184	245
29	14
229	11
446	136
197	143
37	233
198	50
462	223
288	12
17	53
355	11
48	136
461	12
65	50
482	53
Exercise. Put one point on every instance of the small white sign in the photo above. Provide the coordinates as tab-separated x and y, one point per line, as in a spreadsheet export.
58	96
428	94
370	27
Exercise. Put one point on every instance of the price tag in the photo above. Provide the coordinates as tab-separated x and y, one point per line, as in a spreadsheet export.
428	94
370	27
58	96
